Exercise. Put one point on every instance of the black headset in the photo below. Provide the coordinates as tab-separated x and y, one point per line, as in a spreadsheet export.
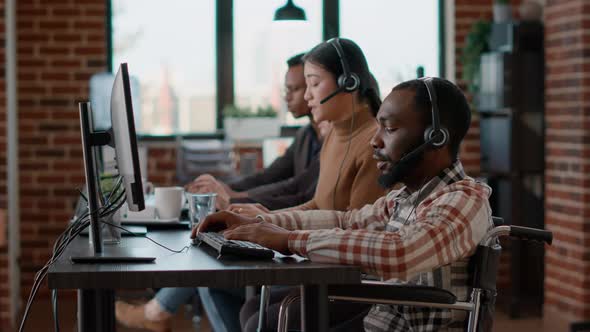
435	136
348	81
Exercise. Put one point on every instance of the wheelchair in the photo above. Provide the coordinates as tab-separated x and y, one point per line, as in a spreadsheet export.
483	266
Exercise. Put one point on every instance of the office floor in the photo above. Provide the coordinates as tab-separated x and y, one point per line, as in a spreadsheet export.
40	320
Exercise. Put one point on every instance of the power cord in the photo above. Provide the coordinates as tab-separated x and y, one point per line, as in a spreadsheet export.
59	246
416	201
54	309
68	235
147	237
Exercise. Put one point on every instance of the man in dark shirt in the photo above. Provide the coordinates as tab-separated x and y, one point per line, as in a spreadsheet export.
296	161
293	191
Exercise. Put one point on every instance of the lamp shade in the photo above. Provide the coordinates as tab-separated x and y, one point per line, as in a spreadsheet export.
290	12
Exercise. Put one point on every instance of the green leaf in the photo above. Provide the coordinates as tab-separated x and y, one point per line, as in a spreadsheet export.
476	43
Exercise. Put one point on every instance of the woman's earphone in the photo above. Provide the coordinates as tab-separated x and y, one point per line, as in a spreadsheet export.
347	81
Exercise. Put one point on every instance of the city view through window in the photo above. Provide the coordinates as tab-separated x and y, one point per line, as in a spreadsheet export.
172	53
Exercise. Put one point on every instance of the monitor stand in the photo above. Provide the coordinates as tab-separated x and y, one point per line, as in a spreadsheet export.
113	254
137	230
97	253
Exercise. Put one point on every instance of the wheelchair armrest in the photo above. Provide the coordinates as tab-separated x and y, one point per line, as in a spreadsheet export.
388	291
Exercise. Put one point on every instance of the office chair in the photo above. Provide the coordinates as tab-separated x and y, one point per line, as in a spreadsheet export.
483	267
203	156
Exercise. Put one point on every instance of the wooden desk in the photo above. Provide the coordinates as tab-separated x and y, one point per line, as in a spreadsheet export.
196	267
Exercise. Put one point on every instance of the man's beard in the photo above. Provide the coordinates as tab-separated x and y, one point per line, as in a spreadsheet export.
400	170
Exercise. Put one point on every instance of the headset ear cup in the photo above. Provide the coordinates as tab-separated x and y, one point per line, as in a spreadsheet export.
354	81
429	132
350	83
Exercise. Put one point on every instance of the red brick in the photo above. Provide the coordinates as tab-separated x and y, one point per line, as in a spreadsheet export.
53	25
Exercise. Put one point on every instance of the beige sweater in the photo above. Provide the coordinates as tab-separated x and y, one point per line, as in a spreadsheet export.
357	184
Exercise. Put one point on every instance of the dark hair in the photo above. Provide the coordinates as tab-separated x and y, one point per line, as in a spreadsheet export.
325	55
454	111
295	60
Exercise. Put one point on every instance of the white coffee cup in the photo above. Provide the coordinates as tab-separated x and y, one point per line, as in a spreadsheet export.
169	201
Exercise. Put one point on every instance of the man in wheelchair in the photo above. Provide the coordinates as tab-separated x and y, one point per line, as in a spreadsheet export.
423	233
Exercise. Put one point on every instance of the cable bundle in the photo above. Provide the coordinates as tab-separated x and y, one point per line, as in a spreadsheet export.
62	242
109	207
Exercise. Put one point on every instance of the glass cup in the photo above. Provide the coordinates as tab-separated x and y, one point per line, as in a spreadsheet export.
200	206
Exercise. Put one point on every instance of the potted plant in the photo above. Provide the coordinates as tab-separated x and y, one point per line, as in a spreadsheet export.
476	43
243	123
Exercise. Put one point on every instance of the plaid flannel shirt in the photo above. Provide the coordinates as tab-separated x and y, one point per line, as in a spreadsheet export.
424	237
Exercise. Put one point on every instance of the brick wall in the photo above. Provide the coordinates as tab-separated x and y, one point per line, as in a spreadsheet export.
162	164
4	278
2	113
61	43
567	176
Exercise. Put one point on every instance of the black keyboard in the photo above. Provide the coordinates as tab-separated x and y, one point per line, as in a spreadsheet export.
233	247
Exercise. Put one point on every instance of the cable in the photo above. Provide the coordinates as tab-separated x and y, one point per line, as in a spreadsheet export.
67	236
42	273
82	194
345	153
117	186
416	201
54	307
147	237
108	176
61	243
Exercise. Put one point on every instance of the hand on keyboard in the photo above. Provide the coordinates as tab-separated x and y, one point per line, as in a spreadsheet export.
222	220
247	229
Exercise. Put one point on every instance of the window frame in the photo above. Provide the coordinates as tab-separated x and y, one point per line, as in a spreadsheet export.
224	41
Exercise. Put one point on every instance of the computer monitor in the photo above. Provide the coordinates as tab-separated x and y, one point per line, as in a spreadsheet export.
101	88
122	137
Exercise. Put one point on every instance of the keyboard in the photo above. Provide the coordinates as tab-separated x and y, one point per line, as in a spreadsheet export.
233	247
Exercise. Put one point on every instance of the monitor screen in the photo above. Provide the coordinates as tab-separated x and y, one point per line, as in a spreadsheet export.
101	86
124	139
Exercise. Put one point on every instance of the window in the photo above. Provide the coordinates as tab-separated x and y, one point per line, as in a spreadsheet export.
170	48
262	47
396	37
171	51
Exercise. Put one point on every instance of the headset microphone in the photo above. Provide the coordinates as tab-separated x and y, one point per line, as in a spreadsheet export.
348	81
337	91
409	160
412	155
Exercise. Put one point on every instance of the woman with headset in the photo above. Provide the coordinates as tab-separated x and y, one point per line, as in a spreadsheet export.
341	90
